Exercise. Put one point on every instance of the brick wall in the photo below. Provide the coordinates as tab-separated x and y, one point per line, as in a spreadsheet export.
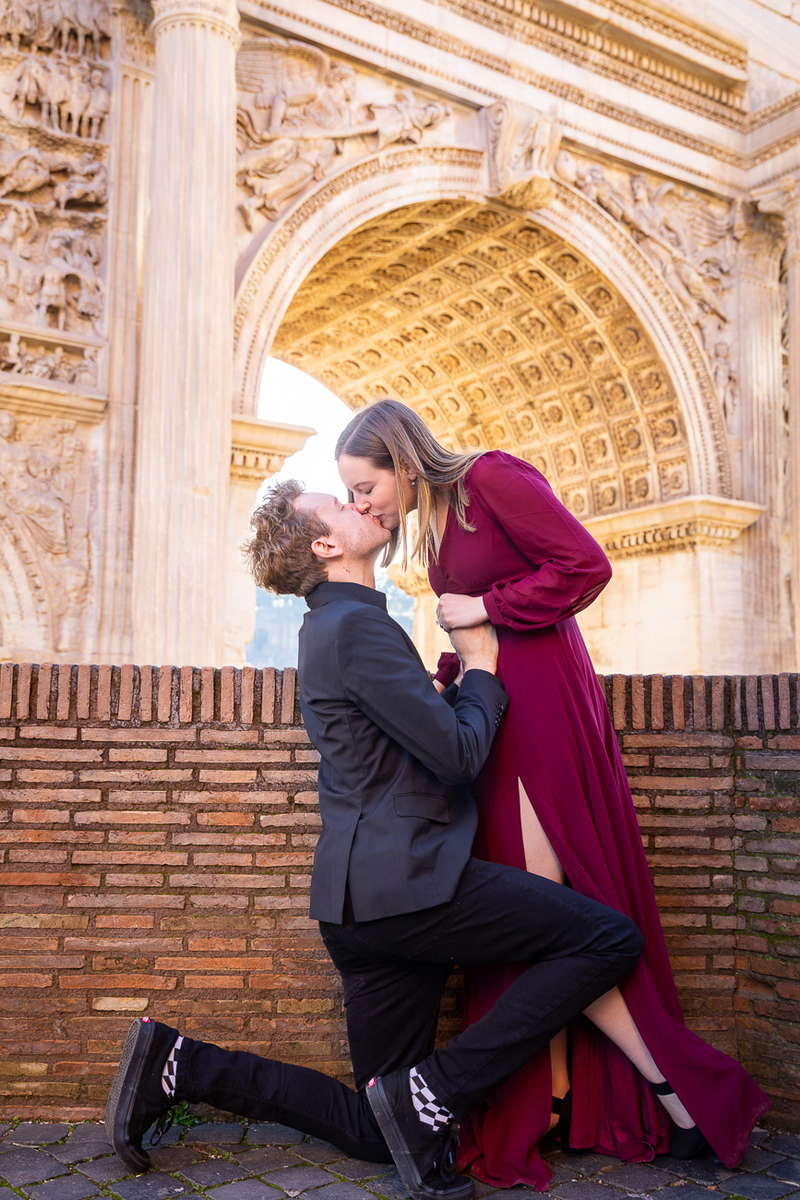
156	838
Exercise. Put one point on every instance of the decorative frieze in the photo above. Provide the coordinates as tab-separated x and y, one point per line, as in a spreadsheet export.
299	111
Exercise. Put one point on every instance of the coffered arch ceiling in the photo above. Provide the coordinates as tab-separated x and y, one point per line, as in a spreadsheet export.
502	336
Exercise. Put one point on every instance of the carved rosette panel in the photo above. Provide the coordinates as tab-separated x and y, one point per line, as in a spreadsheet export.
501	336
54	115
46	497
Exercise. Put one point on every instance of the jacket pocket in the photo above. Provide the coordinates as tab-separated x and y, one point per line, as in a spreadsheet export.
425	806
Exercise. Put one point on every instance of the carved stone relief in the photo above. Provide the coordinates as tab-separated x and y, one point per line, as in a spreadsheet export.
523	147
299	111
54	107
45	501
499	334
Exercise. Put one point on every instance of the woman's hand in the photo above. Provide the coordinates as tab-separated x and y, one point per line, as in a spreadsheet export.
460	612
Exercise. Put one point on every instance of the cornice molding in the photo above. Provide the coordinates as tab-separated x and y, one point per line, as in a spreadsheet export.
681	524
260	448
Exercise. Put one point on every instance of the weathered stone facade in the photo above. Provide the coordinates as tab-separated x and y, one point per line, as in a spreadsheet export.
570	238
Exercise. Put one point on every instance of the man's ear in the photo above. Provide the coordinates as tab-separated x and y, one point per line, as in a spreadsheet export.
325	548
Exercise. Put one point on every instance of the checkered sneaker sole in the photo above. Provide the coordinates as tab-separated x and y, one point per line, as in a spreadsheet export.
170	1073
427	1107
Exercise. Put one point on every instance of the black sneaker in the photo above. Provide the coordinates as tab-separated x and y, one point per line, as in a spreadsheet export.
137	1100
424	1159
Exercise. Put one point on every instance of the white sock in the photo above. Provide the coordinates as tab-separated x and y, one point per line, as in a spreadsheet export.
429	1110
170	1073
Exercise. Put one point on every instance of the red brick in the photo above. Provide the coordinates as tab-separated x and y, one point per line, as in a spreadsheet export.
50	754
103	701
164	693
34	879
134	734
132	857
146	693
37	855
228	776
756	760
43	687
229	737
17	980
24	679
127	676
226	694
109	900
185	694
683	783
63	689
247	686
145	816
689	762
268	691
125	920
222	860
126	981
288	687
40	816
116	775
139	754
45	776
49	733
217	943
206	694
229	756
225	818
210	982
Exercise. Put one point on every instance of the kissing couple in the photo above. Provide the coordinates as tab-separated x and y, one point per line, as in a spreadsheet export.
479	819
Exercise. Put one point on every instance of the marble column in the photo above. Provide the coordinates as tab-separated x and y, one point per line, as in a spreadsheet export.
783	198
186	379
132	116
755	423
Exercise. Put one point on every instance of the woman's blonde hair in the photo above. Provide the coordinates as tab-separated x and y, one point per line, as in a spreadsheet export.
394	438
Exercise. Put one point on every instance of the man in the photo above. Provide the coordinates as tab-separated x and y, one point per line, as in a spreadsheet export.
397	895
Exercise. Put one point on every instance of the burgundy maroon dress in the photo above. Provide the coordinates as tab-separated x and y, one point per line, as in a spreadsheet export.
535	566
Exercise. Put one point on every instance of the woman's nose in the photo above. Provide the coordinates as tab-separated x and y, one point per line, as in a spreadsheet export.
362	506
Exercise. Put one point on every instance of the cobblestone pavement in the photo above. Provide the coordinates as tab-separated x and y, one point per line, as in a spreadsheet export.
258	1161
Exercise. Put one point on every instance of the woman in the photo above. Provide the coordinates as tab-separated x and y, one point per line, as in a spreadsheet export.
629	1078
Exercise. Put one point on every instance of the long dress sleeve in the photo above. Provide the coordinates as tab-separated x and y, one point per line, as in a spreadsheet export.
568	568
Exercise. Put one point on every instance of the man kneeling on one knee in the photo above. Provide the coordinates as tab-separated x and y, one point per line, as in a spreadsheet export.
398	897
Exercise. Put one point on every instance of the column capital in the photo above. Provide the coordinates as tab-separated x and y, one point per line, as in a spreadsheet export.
221	16
781	196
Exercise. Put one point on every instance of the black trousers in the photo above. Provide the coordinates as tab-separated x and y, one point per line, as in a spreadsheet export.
393	972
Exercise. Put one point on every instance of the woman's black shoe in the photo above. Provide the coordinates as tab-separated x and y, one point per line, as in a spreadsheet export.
562	1107
683	1143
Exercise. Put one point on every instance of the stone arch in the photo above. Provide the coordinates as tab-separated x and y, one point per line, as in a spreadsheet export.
396	186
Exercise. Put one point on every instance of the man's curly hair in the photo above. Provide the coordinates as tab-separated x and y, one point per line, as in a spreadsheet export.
279	553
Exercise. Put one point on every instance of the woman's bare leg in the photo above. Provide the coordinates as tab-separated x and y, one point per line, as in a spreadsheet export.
540	859
609	1013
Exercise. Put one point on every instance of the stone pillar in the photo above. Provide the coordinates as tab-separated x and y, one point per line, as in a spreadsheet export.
186	382
755	425
783	198
131	116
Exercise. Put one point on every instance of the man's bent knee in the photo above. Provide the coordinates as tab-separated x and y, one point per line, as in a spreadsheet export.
626	941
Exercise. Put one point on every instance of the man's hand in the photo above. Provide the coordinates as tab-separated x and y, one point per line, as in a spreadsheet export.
476	647
460	612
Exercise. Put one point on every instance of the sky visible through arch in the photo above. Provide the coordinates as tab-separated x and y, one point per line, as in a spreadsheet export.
294	398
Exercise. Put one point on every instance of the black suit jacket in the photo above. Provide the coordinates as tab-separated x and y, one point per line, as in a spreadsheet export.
398	818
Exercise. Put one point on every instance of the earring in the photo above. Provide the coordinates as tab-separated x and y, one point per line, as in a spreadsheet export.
413	482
